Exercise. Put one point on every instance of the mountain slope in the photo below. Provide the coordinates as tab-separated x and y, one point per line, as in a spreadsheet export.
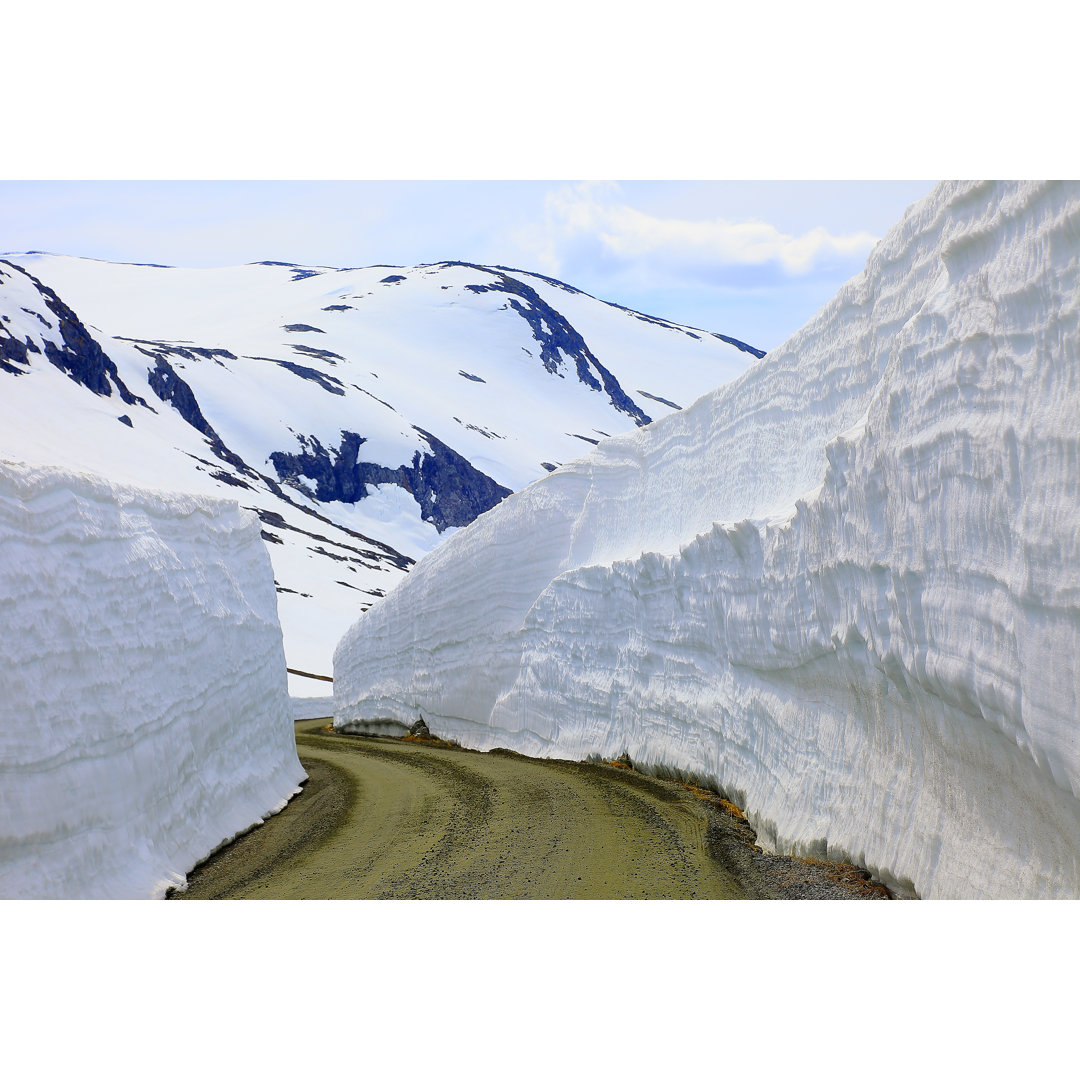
845	587
362	413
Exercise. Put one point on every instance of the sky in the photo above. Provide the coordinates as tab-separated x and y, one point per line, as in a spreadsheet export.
751	259
349	134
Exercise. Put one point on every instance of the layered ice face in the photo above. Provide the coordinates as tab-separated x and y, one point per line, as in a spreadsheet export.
144	713
845	586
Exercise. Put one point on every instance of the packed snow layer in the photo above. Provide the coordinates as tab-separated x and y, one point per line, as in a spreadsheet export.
845	587
144	718
312	708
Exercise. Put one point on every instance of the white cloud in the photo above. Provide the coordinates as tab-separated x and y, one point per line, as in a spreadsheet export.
591	224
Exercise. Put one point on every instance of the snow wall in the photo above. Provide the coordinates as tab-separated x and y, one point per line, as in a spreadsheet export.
314	708
144	714
844	587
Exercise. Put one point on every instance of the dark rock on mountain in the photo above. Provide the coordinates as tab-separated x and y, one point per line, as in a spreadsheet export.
741	345
661	400
558	340
327	382
81	357
384	553
449	490
13	351
317	354
759	353
187	351
40	318
300	273
174	391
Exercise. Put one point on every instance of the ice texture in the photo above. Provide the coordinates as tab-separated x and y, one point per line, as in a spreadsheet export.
844	587
144	715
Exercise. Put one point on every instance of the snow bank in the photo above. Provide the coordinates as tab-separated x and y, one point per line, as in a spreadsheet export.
311	708
144	718
846	587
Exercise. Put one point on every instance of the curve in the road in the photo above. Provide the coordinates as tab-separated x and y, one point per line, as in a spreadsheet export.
396	819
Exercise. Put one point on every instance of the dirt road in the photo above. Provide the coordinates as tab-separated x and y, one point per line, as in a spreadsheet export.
386	818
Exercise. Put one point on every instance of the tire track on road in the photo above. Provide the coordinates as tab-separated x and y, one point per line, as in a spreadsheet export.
383	818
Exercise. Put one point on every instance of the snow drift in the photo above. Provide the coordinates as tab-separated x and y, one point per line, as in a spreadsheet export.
144	717
844	587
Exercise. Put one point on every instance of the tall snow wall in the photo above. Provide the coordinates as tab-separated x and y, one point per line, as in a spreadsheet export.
844	587
144	714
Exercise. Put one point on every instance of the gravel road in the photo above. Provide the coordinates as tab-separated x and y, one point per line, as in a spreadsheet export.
383	818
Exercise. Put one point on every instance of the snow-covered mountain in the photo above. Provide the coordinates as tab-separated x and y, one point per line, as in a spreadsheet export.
362	413
846	586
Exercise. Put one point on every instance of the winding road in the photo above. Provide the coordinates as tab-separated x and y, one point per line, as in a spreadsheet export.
384	818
